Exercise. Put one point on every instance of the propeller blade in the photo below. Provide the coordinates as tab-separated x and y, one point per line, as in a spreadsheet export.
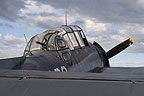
117	49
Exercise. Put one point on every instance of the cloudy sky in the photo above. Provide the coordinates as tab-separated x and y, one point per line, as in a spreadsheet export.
107	22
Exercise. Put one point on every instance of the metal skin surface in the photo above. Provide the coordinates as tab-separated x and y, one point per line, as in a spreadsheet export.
111	82
84	56
82	68
64	49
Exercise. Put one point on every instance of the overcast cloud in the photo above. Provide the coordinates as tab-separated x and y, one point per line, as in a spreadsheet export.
108	22
9	9
11	46
112	11
6	25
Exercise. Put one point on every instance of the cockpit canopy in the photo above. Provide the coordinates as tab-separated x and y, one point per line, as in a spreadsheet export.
71	37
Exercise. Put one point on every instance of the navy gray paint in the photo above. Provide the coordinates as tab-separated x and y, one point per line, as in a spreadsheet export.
67	48
40	55
64	46
111	82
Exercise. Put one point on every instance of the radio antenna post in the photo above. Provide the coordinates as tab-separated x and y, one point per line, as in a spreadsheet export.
25	38
66	18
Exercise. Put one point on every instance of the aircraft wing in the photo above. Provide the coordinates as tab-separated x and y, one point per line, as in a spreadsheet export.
11	63
111	82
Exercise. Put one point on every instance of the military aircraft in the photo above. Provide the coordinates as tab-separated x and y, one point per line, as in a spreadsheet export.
64	49
83	68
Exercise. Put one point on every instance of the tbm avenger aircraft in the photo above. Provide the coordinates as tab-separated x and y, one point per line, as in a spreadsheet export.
64	49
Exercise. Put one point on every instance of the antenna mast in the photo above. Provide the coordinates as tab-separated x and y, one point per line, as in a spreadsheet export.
25	38
65	17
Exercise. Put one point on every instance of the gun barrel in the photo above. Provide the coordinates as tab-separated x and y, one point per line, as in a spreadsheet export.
117	49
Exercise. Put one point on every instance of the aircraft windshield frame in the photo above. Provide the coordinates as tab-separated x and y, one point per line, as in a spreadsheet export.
73	35
32	45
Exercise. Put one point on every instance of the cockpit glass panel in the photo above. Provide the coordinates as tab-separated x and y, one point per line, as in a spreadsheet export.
51	42
61	32
28	47
71	36
82	34
68	41
60	42
79	39
67	29
32	45
74	28
73	39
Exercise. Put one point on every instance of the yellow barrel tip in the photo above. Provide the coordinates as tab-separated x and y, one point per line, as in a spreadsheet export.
132	40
